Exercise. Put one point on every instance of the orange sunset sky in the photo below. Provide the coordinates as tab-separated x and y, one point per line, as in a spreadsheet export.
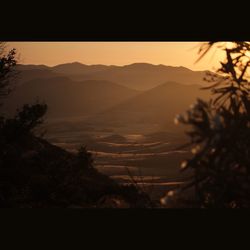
116	53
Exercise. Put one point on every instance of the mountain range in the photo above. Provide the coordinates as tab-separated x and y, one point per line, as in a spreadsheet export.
131	93
139	76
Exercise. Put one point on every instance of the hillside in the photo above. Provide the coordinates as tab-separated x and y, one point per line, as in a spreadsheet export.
68	98
37	174
157	105
30	72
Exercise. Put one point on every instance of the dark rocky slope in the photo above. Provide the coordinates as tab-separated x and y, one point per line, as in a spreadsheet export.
35	173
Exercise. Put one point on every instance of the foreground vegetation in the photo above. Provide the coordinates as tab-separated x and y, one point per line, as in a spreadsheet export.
220	133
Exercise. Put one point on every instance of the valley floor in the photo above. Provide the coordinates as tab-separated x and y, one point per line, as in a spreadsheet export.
149	159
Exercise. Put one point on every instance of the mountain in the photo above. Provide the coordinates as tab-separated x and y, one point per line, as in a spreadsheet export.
157	105
68	98
23	67
143	76
26	73
77	68
139	76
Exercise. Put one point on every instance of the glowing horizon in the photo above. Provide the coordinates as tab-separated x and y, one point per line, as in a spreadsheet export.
116	53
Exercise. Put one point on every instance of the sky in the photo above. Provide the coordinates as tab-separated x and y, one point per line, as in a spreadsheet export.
116	53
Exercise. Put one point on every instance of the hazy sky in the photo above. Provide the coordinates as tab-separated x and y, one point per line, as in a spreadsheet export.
116	53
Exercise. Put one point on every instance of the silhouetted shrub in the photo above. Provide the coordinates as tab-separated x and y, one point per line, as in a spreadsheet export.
24	122
85	158
220	134
7	65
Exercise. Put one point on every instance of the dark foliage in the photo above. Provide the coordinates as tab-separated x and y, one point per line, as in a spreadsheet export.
7	66
220	135
23	123
84	157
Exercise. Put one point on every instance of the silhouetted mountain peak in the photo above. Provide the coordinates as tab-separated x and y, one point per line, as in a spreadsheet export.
139	65
76	68
145	66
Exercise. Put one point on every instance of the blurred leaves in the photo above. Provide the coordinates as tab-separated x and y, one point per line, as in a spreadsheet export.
220	132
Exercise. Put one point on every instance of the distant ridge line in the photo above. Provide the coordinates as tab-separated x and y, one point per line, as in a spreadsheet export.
110	65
